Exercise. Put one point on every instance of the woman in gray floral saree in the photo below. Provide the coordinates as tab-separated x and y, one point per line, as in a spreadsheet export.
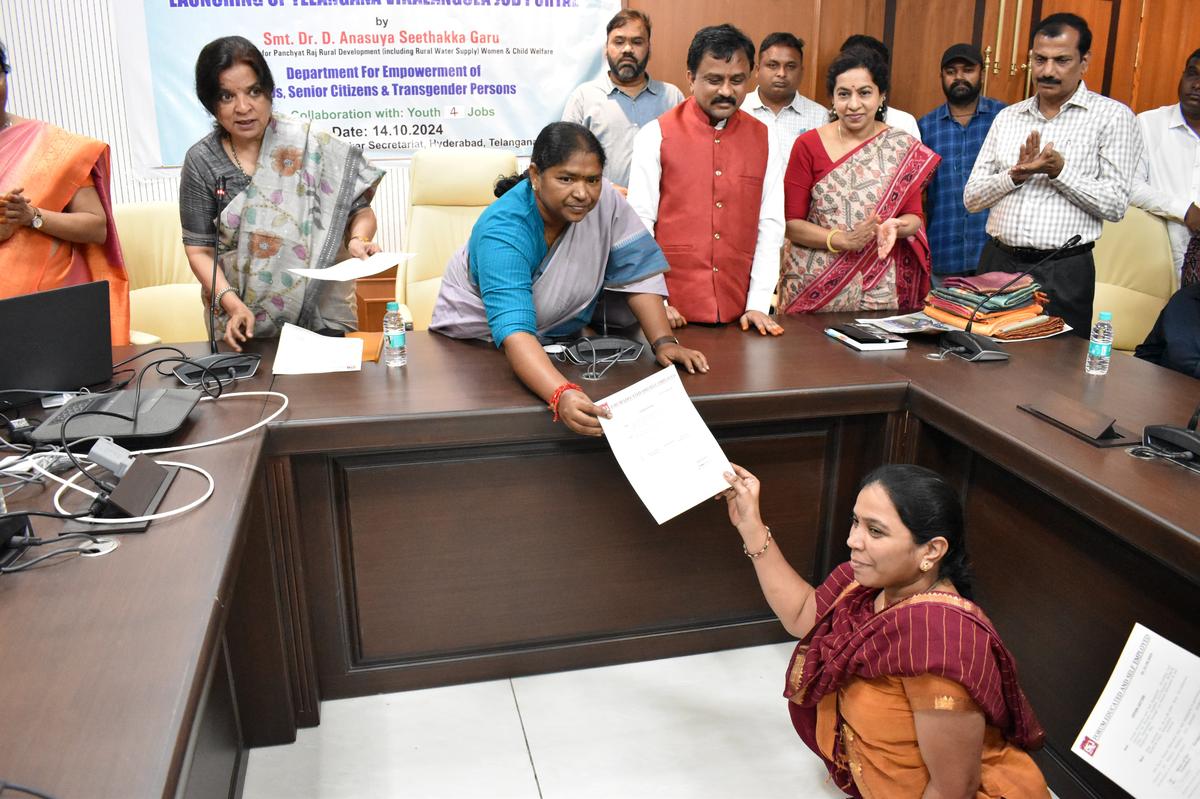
263	194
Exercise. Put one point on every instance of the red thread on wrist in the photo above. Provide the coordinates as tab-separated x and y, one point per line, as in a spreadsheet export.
557	395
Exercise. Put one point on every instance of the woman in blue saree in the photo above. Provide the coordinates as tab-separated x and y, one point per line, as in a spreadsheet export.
539	258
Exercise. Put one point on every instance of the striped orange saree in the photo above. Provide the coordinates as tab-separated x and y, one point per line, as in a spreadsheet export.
934	643
51	164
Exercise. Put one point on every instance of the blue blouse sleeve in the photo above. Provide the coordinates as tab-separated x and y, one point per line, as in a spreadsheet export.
504	251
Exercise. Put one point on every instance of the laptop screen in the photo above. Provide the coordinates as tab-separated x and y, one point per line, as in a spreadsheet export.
55	340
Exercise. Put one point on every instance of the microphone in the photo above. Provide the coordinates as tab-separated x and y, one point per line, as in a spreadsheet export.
231	366
975	347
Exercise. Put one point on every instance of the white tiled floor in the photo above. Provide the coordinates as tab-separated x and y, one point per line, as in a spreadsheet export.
712	725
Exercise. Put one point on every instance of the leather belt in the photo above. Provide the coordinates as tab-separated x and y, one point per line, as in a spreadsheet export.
1031	255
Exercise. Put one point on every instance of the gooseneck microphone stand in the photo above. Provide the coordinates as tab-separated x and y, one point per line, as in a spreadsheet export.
226	366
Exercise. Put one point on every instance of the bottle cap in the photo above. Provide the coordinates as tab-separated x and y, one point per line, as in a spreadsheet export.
393	306
1106	316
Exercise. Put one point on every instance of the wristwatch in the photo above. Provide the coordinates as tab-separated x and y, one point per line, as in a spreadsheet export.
661	340
36	222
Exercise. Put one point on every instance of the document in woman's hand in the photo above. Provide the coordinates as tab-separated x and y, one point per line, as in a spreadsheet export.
667	452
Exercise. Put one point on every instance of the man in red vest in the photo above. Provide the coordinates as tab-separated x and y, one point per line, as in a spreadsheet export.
707	180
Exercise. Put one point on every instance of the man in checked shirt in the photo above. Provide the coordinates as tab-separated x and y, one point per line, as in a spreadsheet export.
1053	166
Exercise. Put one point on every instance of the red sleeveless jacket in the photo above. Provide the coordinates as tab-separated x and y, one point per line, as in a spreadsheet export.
710	198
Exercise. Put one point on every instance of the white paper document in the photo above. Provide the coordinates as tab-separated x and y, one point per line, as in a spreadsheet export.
303	352
1142	733
667	452
354	268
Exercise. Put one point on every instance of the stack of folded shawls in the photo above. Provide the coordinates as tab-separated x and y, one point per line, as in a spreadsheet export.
1016	313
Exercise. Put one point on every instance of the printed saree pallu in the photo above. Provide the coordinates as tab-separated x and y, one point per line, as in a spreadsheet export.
50	165
293	215
877	178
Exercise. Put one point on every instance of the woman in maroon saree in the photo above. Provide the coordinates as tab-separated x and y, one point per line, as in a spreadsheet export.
855	229
899	683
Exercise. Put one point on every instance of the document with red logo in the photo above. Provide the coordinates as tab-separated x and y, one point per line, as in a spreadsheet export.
1142	733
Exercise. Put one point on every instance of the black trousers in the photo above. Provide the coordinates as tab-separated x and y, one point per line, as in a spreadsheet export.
1070	283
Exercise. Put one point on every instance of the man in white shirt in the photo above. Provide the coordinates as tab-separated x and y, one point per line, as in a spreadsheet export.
892	116
1054	167
617	105
777	102
1167	183
707	180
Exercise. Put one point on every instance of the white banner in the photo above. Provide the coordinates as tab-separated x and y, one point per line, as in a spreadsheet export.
391	76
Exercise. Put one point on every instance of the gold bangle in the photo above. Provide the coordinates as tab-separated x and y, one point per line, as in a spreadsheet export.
363	239
829	241
761	552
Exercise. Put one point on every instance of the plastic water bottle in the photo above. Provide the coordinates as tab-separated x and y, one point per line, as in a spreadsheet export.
394	352
1100	348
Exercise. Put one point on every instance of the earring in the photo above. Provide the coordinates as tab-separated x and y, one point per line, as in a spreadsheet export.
926	566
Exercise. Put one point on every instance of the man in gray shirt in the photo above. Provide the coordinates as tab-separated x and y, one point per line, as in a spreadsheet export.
617	105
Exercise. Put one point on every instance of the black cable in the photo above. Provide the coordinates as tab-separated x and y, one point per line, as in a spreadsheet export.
12	786
1148	452
46	513
20	567
144	353
137	400
213	390
31	541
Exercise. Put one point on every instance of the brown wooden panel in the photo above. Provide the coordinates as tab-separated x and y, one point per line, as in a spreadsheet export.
284	541
1122	77
435	567
1002	18
918	46
533	558
1169	33
372	295
217	760
469	388
255	635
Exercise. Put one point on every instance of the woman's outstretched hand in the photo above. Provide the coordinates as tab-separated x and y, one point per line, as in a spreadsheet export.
885	237
741	498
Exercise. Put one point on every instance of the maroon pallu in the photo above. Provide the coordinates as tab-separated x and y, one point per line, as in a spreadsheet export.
932	633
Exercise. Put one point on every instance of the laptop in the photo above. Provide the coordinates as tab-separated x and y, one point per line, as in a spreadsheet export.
56	340
160	412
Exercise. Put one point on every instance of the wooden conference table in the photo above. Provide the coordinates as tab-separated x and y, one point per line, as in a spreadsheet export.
405	528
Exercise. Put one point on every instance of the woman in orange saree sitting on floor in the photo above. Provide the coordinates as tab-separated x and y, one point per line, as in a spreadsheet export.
56	224
899	682
855	237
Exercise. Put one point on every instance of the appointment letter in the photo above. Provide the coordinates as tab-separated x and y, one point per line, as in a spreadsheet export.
1142	733
667	452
